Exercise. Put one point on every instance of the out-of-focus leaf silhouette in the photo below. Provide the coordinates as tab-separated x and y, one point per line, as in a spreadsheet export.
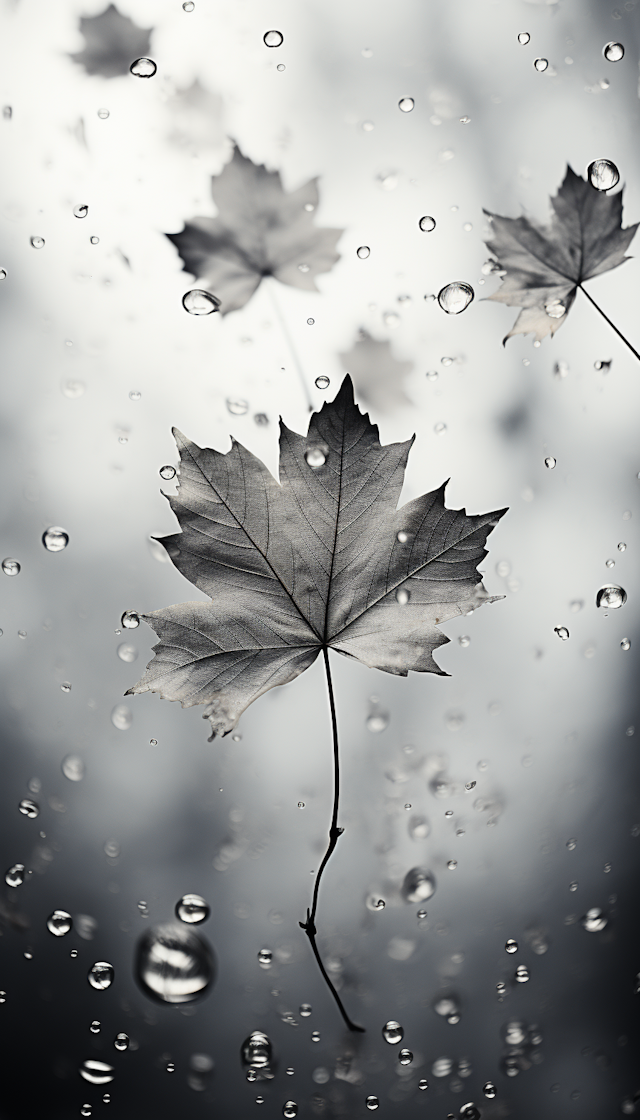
113	42
322	559
545	265
377	375
260	231
195	119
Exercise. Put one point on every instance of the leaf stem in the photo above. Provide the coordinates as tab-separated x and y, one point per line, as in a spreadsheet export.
335	833
270	284
612	325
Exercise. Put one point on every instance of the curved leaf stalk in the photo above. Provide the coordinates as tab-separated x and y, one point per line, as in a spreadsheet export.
335	833
612	325
270	285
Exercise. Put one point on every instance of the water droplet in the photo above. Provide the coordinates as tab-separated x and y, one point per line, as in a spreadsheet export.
455	297
22	633
452	864
625	644
10	567
100	976
237	406
405	1057
310	322
130	619
555	309
59	923
427	224
611	597
273	38
594	921
95	1072
562	632
188	6
372	1103
121	1042
377	721
419	828
522	974
174	964
322	382
550	462
523	38
489	1090
14	877
3	274
122	717
143	68
192	909
406	104
603	174
55	539
106	1098
73	389
29	808
573	886
464	640
301	804
281	66
81	210
199	302
402	596
511	946
305	1010
470	1111
440	428
289	1109
303	268
419	884
95	1027
610	563
315	1036
374	902
103	114
265	958
541	64
86	1110
392	1032
613	52
37	242
316	457
363	252
127	652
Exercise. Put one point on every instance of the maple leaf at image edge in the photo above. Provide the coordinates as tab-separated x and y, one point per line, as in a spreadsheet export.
545	265
260	230
321	559
112	43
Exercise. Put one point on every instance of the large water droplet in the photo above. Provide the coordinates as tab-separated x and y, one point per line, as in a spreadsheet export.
174	964
372	1103
594	921
392	1032
603	174
524	38
29	808
418	885
14	877
256	1050
427	224
100	975
55	539
199	302
541	64
273	38
511	946
143	68
167	472
95	1072
611	597
192	908
289	1109
121	1042
322	382
489	1090
455	297
10	567
122	717
130	619
613	52
405	1057
316	456
127	652
406	104
555	308
59	923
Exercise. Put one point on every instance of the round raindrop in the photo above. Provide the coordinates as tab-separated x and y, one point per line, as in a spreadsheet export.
489	1090
55	539
29	808
372	1103
100	975
130	619
256	1050
95	1026
167	472
199	302
305	1010
418	884
143	68
392	1032
405	1057
310	322
37	242
423	1083
192	909
470	1111
273	38
522	974
316	457
452	864
603	174
188	6
86	1110
265	958
14	877
322	382
455	297
174	964
625	644
374	902
524	38
127	652
363	252
95	1072
541	64
511	946
611	597
289	1110
406	104
550	462
121	1042
562	632
10	567
613	52
3	274
59	923
594	921
81	210
427	224
122	717
237	406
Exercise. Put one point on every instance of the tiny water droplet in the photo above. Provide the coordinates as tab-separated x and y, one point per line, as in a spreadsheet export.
273	38
127	652
37	242
406	104
427	224
501	989
611	597
562	632
392	1032
363	252
405	1057
305	1010
121	1042
10	567
550	462
613	52
237	406
73	389
3	274
106	1098
14	877
402	537
315	457
103	114
541	64
622	546
259	1100
594	921
511	946
432	375
603	174
322	382
281	66
301	804
289	1109
449	813
265	958
81	210
59	923
455	297
65	686
610	563
625	644
452	864
192	909
573	886
522	974
372	1103
555	309
100	976
198	302
440	428
315	1036
143	907
523	38
402	596
143	68
470	1112
188	6
170	1067
86	1109
310	322
29	808
470	785
122	717
489	1090
464	640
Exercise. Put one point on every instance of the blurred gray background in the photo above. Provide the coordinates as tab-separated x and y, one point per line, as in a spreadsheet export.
544	727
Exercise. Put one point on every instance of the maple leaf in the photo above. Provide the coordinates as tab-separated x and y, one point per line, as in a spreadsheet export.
545	265
113	42
377	375
321	559
260	231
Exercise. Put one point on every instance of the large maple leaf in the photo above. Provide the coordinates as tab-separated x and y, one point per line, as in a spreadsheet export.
545	265
260	230
113	42
321	559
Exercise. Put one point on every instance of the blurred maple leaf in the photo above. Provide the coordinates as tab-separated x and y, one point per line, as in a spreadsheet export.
113	42
377	375
260	231
545	265
195	116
